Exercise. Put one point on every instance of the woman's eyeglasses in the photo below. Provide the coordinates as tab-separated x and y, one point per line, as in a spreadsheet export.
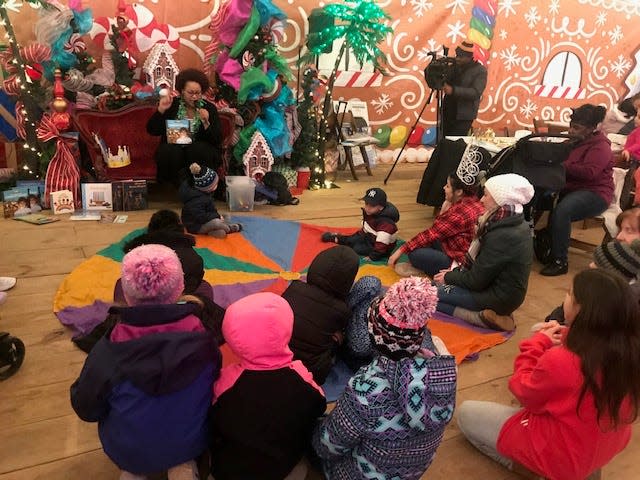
193	93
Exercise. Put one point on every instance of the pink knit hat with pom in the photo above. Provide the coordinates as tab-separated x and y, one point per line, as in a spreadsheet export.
397	321
152	274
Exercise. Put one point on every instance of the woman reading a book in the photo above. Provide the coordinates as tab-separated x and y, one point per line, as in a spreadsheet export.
201	119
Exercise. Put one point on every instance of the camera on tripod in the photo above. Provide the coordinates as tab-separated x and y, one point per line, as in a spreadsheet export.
440	70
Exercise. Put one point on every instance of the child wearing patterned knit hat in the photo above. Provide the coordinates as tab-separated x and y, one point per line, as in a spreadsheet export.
199	213
400	402
148	382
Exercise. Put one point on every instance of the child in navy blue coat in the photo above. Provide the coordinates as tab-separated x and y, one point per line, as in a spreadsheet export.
199	213
148	382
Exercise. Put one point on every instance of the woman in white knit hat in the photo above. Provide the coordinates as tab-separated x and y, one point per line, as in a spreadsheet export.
492	281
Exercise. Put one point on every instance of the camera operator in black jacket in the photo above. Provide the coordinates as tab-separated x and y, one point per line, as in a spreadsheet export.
463	94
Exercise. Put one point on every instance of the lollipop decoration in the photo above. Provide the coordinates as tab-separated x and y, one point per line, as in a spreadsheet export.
481	28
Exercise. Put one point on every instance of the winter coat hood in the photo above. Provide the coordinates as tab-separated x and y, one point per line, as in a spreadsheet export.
390	212
258	329
334	270
424	388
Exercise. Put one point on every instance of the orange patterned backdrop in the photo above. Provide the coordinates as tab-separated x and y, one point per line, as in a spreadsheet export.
543	56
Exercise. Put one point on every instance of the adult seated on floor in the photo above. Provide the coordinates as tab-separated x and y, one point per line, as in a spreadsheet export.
589	188
492	282
204	125
448	239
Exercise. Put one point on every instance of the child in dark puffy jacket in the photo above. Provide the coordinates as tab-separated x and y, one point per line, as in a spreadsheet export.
320	309
199	214
377	237
148	382
391	418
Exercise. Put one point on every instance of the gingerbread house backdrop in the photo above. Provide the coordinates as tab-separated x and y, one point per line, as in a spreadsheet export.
543	57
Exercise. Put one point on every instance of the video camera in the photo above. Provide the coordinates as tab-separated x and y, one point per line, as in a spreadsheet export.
440	70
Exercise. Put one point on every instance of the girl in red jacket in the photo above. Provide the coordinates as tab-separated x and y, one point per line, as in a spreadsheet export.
578	387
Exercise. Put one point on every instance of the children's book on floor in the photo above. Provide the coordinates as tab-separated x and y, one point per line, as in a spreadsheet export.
62	202
16	202
96	196
129	195
86	215
36	218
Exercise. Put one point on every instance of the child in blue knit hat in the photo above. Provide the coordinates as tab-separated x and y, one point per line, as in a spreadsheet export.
400	402
199	213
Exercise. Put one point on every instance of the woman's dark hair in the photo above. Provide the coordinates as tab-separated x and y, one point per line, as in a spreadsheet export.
457	184
606	336
192	75
165	220
588	115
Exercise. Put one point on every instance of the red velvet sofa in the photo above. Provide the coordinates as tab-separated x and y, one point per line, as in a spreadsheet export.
127	127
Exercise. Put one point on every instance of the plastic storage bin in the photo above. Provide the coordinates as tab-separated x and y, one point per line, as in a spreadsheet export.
240	193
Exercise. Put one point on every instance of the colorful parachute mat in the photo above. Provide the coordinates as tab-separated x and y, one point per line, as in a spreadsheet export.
265	256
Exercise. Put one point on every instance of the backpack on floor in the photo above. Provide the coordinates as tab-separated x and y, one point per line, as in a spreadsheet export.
278	182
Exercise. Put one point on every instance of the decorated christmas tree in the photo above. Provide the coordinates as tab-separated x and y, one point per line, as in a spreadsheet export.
251	75
305	149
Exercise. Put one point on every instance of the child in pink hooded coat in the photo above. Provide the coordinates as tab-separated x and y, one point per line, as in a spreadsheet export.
265	406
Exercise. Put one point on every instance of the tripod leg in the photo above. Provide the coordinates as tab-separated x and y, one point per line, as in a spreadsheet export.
407	140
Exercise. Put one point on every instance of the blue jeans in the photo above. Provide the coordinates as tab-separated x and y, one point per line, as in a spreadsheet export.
573	206
430	259
452	296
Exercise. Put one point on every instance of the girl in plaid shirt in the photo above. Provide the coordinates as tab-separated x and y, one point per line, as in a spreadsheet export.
449	237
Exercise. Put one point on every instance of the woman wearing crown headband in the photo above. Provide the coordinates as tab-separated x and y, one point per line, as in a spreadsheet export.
492	281
172	159
448	239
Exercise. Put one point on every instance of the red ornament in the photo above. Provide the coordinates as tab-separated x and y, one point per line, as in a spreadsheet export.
34	72
62	120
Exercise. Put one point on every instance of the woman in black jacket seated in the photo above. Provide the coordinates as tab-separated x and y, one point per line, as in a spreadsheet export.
493	281
206	145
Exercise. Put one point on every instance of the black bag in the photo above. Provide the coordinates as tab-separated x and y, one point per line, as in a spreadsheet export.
277	182
537	161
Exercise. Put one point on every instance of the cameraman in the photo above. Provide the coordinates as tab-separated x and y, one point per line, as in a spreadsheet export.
462	95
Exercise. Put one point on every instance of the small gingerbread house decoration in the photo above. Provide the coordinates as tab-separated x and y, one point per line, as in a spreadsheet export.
160	69
258	158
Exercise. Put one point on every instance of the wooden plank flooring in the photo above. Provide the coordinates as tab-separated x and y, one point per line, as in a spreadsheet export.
41	438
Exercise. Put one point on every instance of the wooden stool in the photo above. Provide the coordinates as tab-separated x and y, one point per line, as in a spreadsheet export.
349	158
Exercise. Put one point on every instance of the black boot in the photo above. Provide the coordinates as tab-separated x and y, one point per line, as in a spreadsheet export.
555	268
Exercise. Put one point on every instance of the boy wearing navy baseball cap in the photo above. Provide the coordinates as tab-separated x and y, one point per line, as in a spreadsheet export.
377	237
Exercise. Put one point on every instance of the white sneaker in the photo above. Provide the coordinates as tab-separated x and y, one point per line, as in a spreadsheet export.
7	283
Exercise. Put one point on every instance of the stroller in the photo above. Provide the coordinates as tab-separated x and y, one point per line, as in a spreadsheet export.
540	162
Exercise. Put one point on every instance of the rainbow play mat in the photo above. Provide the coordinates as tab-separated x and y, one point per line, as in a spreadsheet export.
265	256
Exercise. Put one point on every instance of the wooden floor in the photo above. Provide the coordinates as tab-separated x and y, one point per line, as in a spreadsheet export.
40	436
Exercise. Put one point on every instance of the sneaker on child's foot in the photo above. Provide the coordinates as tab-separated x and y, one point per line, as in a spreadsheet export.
7	283
235	227
405	269
329	237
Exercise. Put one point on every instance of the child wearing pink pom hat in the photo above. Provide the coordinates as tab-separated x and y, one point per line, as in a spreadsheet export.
400	402
148	381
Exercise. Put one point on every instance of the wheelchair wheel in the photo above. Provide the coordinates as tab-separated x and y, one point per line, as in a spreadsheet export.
542	245
11	355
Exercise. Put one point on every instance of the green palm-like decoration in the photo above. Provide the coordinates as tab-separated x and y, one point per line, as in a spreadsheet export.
363	25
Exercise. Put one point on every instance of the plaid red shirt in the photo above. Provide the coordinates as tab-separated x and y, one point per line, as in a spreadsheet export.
454	229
